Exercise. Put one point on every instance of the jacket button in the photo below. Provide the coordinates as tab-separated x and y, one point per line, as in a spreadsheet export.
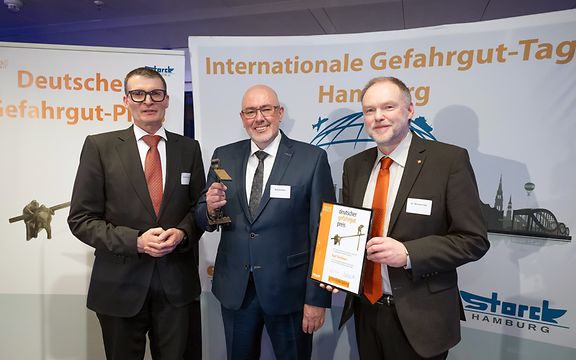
252	235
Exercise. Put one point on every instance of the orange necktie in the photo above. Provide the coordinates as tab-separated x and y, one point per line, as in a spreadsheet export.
153	171
372	272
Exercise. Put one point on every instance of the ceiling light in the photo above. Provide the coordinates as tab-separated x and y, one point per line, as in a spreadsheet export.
14	5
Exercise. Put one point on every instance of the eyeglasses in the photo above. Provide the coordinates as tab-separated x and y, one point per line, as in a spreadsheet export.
139	96
266	111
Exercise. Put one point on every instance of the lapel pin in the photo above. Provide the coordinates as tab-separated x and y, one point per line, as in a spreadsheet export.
419	161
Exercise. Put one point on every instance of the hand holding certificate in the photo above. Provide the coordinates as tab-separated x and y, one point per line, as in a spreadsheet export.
340	246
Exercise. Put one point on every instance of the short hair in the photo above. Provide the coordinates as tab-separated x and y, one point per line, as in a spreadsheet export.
390	79
145	72
261	87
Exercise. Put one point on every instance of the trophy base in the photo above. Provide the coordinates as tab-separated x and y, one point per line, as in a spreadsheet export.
224	220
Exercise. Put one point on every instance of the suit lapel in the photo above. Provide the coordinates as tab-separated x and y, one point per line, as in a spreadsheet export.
362	175
283	157
127	151
414	163
173	159
239	177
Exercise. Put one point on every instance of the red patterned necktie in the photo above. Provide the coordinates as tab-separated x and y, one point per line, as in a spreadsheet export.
153	171
372	273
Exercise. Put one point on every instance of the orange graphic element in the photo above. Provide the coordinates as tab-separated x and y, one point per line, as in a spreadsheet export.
339	282
322	241
72	115
27	79
210	270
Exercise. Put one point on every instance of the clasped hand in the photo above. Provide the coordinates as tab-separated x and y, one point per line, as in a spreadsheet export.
158	242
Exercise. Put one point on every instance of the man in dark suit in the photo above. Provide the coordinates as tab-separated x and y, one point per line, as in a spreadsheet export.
263	260
432	224
134	203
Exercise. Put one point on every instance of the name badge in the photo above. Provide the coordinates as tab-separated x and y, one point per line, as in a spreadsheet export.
419	206
185	178
280	191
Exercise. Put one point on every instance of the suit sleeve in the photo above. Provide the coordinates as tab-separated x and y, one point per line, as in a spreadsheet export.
88	204
465	239
197	183
322	189
201	211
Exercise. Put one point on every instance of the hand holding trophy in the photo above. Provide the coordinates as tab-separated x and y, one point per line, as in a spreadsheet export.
219	219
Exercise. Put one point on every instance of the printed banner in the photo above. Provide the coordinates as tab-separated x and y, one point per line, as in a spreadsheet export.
502	89
51	98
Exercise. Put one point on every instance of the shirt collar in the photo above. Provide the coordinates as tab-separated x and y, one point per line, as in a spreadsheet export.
271	149
139	133
400	154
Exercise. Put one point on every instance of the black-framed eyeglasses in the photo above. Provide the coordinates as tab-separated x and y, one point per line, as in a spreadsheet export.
266	111
139	96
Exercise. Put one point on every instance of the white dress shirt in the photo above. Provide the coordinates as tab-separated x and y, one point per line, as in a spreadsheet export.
271	150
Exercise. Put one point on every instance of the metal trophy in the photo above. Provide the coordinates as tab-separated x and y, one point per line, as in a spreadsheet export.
38	217
219	219
337	238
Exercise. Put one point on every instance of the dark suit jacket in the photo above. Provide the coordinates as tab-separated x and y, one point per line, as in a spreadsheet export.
278	243
427	296
111	206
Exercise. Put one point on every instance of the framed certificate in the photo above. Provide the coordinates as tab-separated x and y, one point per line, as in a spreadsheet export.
341	246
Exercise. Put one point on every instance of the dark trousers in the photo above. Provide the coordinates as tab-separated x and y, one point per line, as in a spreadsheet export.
168	328
243	330
194	345
379	334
